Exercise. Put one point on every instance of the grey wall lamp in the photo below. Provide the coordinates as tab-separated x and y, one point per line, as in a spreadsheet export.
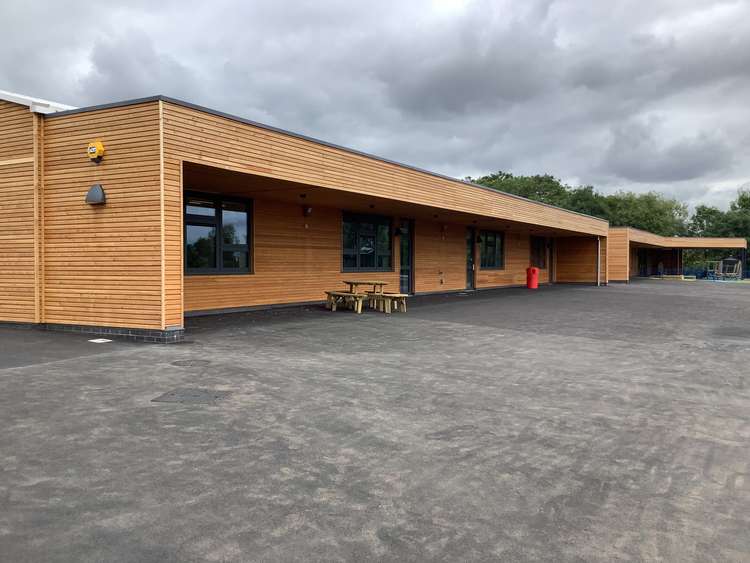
96	195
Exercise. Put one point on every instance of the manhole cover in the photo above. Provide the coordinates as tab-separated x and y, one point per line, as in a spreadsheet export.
188	395
190	363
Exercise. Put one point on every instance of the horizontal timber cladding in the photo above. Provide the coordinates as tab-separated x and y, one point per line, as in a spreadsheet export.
17	234
644	237
623	242
619	252
103	264
205	138
517	259
576	259
439	256
295	259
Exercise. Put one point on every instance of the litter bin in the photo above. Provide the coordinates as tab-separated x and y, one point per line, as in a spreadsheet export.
532	278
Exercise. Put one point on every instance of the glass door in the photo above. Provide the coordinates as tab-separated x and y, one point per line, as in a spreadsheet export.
471	235
406	227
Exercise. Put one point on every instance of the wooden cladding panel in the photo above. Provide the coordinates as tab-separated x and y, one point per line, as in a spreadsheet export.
619	253
644	237
17	254
296	264
576	260
517	259
103	264
296	259
439	256
193	135
173	245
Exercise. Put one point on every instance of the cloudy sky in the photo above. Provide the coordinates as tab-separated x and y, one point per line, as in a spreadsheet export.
621	94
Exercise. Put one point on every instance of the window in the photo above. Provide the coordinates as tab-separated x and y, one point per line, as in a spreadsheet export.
491	250
217	235
366	243
539	252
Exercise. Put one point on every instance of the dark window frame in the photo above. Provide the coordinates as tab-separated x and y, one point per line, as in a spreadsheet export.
217	222
533	252
499	250
376	220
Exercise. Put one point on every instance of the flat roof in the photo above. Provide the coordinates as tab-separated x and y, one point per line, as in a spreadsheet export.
652	239
37	105
306	138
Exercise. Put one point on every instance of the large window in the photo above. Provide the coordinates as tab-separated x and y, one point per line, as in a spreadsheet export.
217	235
491	255
539	252
366	243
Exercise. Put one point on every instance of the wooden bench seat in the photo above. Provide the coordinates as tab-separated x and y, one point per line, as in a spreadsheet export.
387	302
353	301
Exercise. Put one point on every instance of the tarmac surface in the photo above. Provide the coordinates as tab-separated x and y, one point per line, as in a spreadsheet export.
573	423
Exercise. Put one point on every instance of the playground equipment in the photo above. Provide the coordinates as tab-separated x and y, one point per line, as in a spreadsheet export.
724	270
713	269
731	269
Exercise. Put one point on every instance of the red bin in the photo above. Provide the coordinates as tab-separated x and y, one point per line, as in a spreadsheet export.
532	278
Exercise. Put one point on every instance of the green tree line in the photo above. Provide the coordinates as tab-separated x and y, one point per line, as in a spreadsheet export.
650	211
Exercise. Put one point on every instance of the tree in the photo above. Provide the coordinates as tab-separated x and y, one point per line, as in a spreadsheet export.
648	211
544	188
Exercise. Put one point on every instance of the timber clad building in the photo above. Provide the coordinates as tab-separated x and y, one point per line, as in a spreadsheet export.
201	211
635	253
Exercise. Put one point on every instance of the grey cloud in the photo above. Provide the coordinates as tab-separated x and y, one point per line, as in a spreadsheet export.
563	87
129	66
637	154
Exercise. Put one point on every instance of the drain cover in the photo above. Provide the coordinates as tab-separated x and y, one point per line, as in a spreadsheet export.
191	395
190	363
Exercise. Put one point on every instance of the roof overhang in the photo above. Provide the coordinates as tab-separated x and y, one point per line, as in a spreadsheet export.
645	238
37	105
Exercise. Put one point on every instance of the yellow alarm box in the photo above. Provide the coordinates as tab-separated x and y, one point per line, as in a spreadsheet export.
96	150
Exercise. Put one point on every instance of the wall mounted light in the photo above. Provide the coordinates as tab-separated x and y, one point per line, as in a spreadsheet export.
96	195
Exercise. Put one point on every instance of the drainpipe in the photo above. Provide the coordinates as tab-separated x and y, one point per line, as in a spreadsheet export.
598	261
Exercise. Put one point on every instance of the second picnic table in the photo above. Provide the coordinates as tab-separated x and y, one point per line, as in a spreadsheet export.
377	285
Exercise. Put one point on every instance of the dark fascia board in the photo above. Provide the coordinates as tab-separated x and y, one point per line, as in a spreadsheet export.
204	109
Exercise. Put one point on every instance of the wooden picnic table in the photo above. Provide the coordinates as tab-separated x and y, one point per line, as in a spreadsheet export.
377	285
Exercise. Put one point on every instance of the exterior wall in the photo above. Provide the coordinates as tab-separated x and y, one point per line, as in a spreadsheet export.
576	260
517	259
18	288
619	252
439	256
295	259
295	263
220	141
205	138
103	264
121	265
644	237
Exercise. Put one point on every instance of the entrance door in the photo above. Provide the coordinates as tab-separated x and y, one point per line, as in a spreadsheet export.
471	235
406	280
551	260
643	265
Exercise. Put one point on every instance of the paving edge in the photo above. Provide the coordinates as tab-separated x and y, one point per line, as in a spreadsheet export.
157	336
